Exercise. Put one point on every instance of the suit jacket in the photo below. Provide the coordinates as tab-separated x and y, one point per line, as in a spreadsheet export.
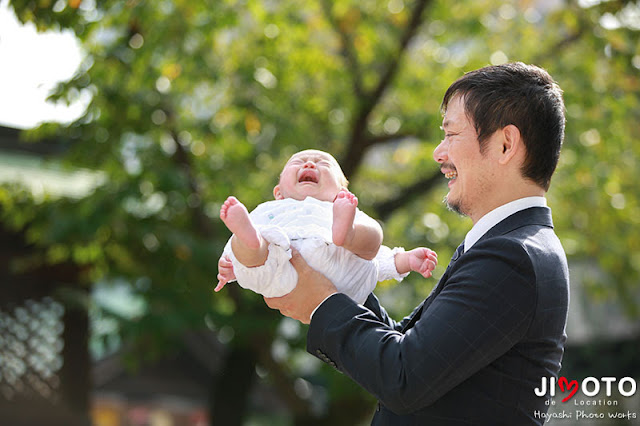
474	351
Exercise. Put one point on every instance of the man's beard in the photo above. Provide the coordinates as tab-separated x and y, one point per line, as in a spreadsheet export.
454	206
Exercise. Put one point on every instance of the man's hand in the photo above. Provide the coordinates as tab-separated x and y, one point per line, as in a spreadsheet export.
312	289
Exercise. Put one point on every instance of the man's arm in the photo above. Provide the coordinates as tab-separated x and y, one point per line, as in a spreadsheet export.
485	308
373	304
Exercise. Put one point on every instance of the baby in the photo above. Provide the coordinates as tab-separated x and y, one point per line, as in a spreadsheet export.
314	213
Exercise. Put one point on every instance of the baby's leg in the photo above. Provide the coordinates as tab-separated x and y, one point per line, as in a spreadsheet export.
344	212
248	245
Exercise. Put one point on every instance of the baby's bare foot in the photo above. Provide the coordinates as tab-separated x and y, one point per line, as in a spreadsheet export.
344	212
235	215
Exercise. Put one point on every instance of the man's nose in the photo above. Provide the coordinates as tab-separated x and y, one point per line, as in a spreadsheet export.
440	154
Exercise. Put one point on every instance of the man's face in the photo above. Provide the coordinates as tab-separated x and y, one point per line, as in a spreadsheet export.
468	170
310	173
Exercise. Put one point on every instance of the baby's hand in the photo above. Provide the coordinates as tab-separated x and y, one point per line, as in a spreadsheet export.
423	261
225	272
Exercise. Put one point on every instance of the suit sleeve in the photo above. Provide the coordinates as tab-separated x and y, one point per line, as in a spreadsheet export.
485	307
373	304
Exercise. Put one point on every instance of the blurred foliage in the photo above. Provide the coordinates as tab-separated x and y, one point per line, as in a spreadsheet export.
194	101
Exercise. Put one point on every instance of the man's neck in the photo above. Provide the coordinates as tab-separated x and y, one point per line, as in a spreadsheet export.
507	196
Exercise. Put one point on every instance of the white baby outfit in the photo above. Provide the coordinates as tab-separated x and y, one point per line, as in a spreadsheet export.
306	226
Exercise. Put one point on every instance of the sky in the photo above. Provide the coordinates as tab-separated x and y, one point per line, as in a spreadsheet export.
31	64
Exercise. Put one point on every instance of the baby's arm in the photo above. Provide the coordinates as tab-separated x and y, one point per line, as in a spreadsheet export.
421	260
363	238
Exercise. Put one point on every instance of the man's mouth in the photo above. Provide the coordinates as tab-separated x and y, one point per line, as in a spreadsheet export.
451	174
308	176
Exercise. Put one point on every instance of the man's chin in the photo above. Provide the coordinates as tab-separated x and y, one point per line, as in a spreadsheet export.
454	206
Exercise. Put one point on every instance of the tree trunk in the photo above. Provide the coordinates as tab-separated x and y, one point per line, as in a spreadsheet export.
75	382
232	387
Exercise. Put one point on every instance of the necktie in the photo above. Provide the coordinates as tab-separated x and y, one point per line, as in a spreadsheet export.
459	251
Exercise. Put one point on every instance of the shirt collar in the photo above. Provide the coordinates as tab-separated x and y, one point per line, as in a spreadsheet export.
497	215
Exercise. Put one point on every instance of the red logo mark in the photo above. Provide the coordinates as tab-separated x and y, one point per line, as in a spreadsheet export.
566	385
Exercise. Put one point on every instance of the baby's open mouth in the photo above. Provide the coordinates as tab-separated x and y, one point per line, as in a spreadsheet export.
308	176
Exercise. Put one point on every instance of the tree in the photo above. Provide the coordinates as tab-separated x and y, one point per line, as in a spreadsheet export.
193	101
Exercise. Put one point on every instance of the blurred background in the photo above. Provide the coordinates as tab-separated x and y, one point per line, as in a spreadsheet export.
109	228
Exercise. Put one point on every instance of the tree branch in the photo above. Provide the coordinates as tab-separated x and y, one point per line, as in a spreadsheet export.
374	140
392	67
560	45
358	139
584	24
348	51
384	209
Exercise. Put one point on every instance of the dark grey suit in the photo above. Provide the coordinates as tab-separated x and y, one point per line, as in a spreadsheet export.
475	349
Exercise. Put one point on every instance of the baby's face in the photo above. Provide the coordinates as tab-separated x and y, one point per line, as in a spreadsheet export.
310	173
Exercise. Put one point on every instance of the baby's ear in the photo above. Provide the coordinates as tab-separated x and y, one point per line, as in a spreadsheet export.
277	194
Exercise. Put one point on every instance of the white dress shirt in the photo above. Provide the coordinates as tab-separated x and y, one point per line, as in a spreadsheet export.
499	214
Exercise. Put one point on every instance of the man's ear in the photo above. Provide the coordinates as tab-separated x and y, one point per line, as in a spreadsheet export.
277	194
511	143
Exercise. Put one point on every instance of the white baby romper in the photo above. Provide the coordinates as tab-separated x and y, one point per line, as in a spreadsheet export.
306	226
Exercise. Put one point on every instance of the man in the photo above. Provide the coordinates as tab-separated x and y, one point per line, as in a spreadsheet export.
474	351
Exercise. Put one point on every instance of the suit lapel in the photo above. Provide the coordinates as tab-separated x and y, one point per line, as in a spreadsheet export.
531	216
